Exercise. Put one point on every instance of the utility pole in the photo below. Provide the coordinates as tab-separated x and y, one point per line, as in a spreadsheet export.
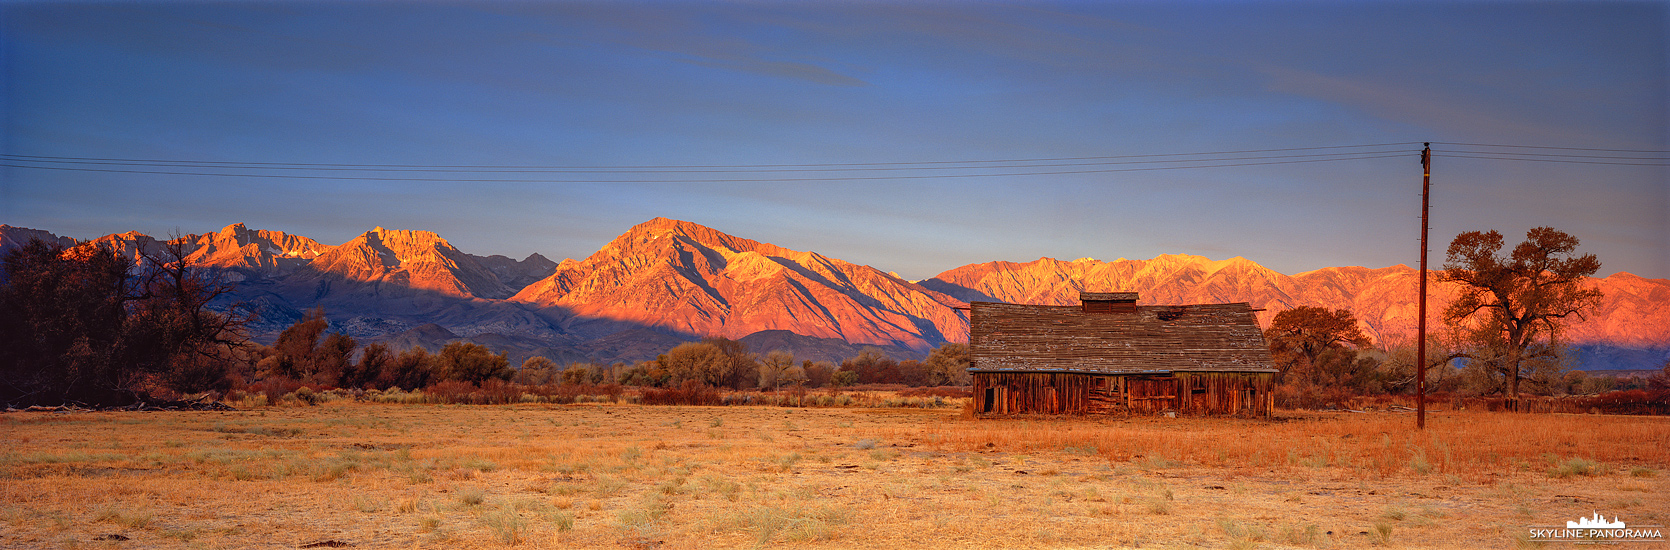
1420	331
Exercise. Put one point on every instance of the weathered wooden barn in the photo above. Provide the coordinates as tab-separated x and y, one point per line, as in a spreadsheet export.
1109	355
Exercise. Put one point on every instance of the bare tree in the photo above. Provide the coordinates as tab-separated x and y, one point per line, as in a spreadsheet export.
173	332
774	366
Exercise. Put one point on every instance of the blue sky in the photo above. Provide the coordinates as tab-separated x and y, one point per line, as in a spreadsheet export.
618	84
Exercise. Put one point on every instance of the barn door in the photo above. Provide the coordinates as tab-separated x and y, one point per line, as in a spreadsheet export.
1104	396
1200	395
1152	394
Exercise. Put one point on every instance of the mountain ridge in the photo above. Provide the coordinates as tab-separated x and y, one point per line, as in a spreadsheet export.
665	281
689	278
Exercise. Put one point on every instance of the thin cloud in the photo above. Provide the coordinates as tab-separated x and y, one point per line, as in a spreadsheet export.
1426	108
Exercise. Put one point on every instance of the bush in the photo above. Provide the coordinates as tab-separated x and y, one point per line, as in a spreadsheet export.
1574	467
276	388
472	363
690	393
449	391
305	394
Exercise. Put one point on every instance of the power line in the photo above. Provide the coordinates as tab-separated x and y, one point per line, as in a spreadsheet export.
728	180
1552	147
689	166
705	170
1559	155
1541	153
1663	162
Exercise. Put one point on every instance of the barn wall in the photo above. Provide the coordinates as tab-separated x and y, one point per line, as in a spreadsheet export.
1224	393
1035	392
1191	393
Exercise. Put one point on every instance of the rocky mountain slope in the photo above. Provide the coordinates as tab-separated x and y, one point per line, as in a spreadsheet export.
691	279
253	252
668	281
388	264
13	237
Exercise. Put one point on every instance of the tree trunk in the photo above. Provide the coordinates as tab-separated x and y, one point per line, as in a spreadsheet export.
1513	385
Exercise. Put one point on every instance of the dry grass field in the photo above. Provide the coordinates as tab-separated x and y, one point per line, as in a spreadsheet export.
362	475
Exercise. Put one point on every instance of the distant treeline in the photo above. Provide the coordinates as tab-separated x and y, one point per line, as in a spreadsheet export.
306	353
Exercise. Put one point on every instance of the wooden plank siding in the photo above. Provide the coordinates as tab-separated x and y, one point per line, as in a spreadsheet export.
1067	393
1035	392
1224	393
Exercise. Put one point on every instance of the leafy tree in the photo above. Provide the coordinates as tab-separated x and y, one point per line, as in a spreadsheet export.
699	361
737	367
375	359
577	374
61	325
1320	354
818	374
305	352
412	369
912	373
77	325
536	371
293	352
873	366
1512	308
1299	336
947	365
647	374
472	363
1660	380
844	378
334	360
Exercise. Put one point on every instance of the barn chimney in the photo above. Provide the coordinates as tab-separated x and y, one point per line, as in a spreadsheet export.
1109	302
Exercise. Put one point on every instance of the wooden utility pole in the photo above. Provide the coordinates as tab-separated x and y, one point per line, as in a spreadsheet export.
1420	331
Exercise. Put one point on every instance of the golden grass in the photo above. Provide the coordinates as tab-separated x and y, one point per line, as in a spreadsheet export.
628	476
1474	445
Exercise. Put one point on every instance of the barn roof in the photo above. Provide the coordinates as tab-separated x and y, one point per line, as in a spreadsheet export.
1157	339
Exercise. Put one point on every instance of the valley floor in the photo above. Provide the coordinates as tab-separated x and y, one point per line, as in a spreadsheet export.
628	476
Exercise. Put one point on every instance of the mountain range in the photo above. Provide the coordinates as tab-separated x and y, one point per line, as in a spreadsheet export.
667	281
